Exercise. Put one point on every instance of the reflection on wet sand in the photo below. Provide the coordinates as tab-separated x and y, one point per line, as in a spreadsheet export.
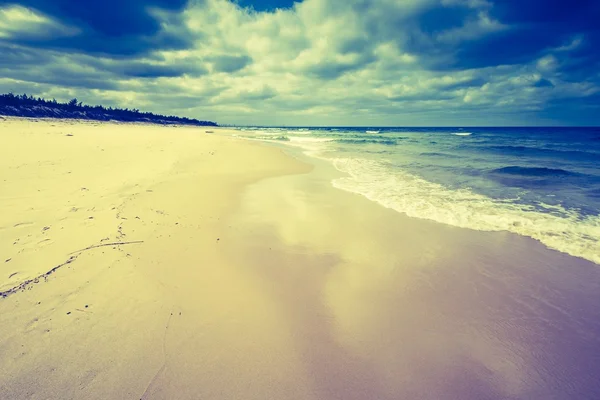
385	307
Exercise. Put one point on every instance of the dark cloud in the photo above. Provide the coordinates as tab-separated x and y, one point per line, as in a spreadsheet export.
40	89
580	13
580	67
265	5
265	93
63	76
112	27
513	46
83	71
422	97
582	110
353	45
21	57
328	70
143	69
97	44
230	64
475	82
543	83
453	37
110	18
377	57
24	64
533	28
179	102
435	20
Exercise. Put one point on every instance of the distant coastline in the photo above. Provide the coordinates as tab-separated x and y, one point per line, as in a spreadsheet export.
29	106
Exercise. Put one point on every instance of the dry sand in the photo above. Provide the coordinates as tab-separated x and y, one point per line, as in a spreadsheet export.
255	279
108	323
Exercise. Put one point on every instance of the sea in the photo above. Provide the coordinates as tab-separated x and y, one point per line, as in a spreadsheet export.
540	182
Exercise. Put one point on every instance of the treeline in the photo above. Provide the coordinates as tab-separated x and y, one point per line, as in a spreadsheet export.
29	106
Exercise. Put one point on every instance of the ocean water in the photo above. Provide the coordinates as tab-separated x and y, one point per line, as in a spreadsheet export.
543	183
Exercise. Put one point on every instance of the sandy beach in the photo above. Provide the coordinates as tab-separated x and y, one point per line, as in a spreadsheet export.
155	262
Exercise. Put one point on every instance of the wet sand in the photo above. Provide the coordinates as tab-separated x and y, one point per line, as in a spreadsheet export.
255	279
385	306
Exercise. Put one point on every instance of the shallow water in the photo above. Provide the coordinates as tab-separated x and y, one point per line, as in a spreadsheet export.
543	183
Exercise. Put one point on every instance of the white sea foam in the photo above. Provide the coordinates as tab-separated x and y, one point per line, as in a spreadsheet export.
567	232
268	132
310	139
299	132
312	146
561	229
462	133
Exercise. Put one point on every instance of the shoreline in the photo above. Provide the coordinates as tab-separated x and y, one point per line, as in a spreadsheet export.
258	279
569	233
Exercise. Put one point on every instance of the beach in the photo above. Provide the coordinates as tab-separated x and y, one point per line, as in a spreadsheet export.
164	262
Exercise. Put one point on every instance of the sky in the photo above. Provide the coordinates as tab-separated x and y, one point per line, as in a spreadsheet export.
313	62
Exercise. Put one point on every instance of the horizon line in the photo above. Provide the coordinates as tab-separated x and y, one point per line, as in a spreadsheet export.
407	126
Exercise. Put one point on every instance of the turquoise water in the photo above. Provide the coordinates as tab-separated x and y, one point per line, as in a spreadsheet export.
543	183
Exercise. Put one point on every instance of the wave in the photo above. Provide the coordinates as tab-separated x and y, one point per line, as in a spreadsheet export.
372	131
387	142
305	139
561	229
525	151
461	133
533	171
270	137
595	193
299	132
435	154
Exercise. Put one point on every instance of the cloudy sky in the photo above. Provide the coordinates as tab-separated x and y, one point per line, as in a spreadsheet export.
313	62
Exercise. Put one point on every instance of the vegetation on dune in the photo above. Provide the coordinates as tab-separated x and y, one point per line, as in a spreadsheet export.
29	106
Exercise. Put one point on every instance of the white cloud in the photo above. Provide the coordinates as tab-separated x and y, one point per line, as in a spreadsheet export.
575	43
547	63
482	25
21	22
339	62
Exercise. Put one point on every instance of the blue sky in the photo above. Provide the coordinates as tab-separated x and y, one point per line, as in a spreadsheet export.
313	62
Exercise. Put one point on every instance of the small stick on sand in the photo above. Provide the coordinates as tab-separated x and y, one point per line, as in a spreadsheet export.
107	244
27	283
